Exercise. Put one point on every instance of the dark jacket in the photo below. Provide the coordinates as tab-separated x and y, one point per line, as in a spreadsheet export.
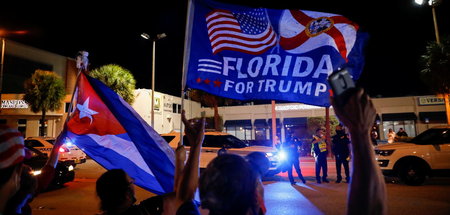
341	144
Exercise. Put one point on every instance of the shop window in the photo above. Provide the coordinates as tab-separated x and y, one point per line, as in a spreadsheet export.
242	129
174	108
45	127
243	133
22	126
66	107
408	125
260	134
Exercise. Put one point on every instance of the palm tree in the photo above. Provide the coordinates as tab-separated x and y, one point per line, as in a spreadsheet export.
44	91
213	101
436	72
118	79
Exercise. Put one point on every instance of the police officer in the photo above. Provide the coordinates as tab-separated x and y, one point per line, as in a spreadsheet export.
291	147
319	151
342	152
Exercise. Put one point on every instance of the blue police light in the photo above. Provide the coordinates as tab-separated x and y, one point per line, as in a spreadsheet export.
67	142
282	155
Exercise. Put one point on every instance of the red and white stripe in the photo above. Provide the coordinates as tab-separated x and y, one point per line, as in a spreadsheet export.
225	33
11	147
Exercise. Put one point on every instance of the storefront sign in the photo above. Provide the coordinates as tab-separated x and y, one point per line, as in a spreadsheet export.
295	107
14	104
168	107
431	101
157	105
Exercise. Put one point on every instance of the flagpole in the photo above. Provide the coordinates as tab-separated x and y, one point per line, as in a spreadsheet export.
187	48
274	125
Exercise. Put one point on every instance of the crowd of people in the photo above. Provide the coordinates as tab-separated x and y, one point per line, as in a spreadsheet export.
230	184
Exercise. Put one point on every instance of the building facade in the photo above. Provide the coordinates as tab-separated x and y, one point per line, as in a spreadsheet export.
21	61
413	113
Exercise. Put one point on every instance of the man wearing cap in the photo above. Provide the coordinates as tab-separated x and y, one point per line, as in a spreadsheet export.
12	154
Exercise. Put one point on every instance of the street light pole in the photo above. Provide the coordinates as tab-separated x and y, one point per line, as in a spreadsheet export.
2	61
436	31
153	84
154	39
433	4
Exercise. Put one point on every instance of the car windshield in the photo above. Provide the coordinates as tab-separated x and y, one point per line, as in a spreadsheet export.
432	136
52	141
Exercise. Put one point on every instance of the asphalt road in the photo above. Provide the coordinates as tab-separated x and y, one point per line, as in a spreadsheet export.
433	198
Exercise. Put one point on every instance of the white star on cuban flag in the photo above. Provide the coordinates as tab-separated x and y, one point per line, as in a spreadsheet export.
85	111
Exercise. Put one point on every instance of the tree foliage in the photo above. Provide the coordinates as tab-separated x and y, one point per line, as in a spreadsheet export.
118	79
436	61
319	122
44	91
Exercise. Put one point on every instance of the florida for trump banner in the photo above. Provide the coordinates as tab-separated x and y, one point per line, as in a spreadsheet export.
108	129
249	53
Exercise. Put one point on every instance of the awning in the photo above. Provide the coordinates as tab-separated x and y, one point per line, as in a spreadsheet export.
245	123
277	121
434	117
260	123
295	121
398	116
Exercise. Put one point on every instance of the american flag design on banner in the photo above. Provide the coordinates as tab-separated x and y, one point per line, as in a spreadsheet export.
247	31
248	53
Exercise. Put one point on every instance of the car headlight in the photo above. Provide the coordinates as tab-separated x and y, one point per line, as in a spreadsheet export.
384	152
36	172
70	168
269	154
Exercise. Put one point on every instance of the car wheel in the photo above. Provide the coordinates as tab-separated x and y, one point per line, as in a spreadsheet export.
413	174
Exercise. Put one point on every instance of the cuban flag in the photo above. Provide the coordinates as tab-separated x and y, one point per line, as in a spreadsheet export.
247	53
107	129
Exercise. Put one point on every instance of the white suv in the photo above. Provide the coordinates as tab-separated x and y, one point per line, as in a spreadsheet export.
427	154
215	141
67	153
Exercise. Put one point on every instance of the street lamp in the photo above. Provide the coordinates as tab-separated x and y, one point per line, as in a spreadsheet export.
154	39
433	4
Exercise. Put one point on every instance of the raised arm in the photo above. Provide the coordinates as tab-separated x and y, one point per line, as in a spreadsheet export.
367	194
188	181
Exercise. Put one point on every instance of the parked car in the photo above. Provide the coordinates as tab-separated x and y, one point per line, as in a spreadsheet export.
68	151
64	171
215	141
428	154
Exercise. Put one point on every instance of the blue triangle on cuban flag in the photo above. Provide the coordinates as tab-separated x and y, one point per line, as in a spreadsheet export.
110	131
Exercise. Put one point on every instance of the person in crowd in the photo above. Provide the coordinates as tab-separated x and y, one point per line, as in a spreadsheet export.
401	133
391	136
259	163
374	135
291	147
116	190
12	153
367	190
341	151
319	152
31	186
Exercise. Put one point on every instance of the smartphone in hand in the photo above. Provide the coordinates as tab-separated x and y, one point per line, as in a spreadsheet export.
342	85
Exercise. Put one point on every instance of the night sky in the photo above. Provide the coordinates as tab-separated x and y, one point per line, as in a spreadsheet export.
398	33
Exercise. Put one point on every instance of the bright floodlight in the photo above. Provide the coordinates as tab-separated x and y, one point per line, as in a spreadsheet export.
160	36
145	36
419	2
